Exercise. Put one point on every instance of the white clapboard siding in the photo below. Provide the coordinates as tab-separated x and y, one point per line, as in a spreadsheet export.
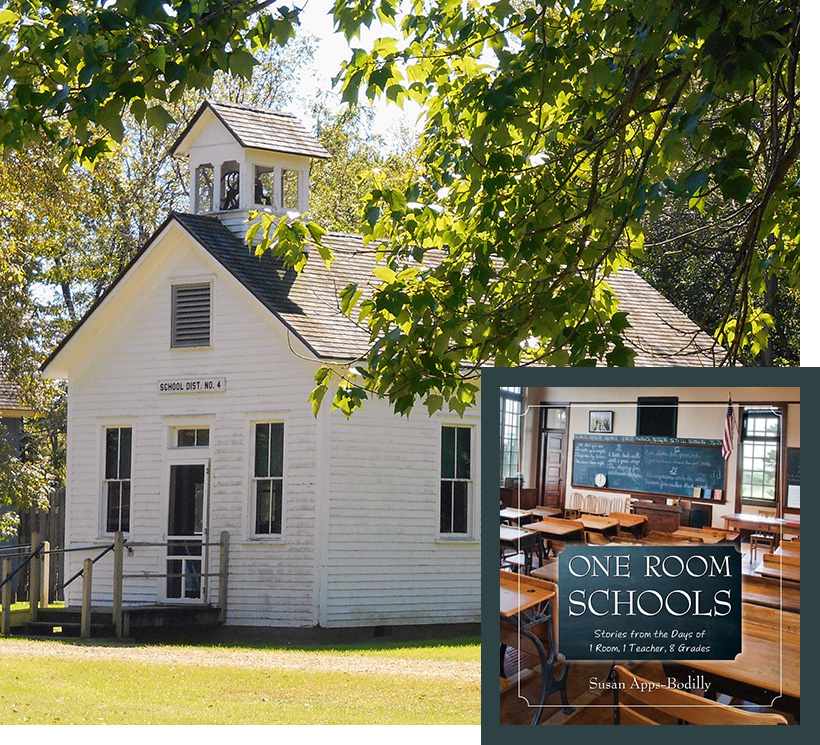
386	563
271	583
360	543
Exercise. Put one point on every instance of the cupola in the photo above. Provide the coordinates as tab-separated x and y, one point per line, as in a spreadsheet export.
242	158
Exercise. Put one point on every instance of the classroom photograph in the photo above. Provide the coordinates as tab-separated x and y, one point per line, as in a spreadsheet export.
705	480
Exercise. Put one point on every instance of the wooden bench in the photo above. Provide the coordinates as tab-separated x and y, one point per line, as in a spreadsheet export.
779	567
766	591
682	705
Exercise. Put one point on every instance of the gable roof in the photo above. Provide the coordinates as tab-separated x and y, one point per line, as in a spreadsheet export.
260	129
308	303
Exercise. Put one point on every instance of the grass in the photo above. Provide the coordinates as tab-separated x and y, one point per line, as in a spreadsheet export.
49	690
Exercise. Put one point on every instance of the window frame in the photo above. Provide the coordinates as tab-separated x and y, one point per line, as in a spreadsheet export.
506	397
471	482
105	480
253	480
196	429
778	413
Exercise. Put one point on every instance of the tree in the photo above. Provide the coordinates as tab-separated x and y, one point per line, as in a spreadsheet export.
339	185
690	262
69	65
555	131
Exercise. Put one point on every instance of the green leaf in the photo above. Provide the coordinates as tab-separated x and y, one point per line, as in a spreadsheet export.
242	63
737	187
385	274
109	116
158	118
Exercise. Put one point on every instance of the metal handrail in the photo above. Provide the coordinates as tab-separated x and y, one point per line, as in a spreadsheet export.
93	561
24	547
24	563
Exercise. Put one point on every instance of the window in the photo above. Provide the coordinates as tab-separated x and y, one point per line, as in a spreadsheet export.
204	188
263	186
269	442
456	479
117	479
193	438
759	449
191	315
511	404
290	189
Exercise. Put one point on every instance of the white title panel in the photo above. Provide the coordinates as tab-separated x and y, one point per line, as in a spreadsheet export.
192	385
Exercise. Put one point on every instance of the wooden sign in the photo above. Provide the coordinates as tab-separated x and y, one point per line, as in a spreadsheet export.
192	385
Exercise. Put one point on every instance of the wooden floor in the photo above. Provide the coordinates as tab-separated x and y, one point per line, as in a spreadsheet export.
591	706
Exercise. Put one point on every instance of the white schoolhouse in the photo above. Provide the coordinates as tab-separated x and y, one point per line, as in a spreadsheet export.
189	416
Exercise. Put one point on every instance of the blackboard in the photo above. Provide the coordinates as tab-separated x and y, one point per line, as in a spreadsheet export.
650	465
793	478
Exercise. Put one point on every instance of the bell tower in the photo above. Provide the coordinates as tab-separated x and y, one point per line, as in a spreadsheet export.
242	158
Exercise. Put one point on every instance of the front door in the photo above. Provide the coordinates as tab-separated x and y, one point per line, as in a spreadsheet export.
553	447
187	517
553	453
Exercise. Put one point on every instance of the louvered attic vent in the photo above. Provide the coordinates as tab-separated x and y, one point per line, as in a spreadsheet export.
191	315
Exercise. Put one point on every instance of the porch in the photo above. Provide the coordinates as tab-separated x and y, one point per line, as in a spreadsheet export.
198	604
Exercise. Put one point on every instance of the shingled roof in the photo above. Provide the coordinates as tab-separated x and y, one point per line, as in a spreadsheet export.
308	303
261	129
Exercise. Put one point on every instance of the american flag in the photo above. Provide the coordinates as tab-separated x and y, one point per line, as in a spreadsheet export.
729	431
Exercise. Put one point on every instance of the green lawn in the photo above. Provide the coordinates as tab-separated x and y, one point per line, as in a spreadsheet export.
56	690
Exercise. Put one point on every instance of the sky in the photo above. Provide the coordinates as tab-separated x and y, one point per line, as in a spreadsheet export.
332	50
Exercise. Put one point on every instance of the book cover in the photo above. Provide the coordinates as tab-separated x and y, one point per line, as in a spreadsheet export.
662	584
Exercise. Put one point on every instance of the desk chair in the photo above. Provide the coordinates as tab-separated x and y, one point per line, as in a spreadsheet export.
572	508
686	707
527	544
761	538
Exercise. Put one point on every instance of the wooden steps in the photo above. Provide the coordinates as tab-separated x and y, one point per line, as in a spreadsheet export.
66	622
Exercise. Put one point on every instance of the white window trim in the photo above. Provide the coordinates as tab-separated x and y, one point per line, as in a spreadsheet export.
195	280
472	534
251	536
102	518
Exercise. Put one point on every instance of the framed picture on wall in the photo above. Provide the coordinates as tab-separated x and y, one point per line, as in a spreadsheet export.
600	421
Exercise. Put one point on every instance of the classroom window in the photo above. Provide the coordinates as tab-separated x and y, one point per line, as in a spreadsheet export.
117	479
759	455
456	479
268	469
191	315
511	405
